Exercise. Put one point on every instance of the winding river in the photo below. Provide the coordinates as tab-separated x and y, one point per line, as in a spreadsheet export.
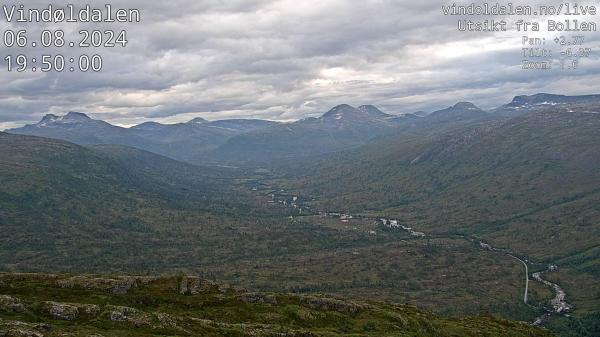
557	306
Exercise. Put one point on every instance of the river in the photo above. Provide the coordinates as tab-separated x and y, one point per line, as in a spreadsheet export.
557	306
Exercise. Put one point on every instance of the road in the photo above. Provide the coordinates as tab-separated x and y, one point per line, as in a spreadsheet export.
526	277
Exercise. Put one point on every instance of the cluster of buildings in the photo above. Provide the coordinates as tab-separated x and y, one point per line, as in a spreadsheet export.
394	224
293	202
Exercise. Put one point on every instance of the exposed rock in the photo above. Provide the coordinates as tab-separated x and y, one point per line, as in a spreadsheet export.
194	285
61	310
120	314
69	311
333	304
19	333
10	304
123	286
189	285
295	334
89	309
258	298
129	315
166	320
120	285
42	327
104	284
18	329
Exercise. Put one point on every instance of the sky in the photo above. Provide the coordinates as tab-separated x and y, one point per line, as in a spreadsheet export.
281	60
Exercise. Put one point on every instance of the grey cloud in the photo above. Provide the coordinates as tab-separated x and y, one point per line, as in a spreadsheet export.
282	60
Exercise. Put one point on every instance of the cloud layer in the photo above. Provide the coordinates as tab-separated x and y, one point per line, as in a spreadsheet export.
282	60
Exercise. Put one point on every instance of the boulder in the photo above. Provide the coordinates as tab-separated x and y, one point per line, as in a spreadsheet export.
127	314
189	285
69	311
194	285
10	304
62	311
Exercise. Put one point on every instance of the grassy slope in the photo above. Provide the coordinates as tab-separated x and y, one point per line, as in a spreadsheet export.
530	183
61	203
52	305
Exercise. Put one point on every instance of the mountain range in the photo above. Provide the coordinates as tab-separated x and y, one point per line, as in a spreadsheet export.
247	141
184	141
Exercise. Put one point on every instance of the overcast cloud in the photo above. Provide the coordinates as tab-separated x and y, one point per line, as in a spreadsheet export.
282	60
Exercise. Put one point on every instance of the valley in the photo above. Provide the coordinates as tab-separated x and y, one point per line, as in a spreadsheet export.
436	210
369	226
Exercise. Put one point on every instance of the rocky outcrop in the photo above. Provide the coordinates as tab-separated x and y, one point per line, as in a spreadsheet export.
69	311
193	285
21	329
190	285
11	304
127	314
120	285
333	304
258	298
166	320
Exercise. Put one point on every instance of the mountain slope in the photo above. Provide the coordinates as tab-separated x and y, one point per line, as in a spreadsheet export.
343	127
191	141
85	305
60	203
523	182
340	128
456	115
530	184
490	174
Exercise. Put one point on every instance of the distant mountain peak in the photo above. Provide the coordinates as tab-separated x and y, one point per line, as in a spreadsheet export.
49	118
465	106
340	111
550	99
372	110
527	103
541	98
458	112
70	118
149	126
364	112
198	120
76	115
368	107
